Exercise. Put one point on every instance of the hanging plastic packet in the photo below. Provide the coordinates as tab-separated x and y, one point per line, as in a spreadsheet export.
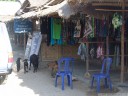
77	29
117	20
92	53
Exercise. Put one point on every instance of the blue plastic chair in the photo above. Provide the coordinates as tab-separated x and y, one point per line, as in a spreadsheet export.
103	74
65	67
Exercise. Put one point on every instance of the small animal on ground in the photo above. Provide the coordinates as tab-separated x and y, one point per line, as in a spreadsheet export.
54	67
34	62
18	64
25	65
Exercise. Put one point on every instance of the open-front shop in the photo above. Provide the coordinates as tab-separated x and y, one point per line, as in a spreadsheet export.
98	27
99	37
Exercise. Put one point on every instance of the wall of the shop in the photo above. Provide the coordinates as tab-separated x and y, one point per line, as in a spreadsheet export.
52	53
70	51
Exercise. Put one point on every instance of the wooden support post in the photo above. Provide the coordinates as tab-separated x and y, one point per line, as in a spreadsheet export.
122	43
87	74
87	58
107	46
24	41
126	62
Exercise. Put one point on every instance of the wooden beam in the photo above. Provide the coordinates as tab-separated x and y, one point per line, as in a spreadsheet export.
108	4
122	42
111	10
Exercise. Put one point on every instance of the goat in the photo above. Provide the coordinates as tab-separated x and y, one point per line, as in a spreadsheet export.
18	64
25	65
34	61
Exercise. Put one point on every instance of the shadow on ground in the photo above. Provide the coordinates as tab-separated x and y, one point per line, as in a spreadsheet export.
43	84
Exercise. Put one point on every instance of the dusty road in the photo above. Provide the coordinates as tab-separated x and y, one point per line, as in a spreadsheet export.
37	84
40	84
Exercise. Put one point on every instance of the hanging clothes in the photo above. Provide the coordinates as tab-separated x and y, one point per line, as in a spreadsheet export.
91	35
82	51
117	32
126	29
52	40
101	27
70	38
97	27
92	52
77	30
88	29
43	25
117	20
100	52
105	27
48	31
117	56
116	59
56	28
64	32
110	32
82	22
56	36
68	32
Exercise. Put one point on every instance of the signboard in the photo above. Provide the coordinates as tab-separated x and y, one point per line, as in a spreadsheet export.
22	26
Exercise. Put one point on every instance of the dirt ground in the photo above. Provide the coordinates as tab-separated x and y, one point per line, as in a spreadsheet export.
37	84
42	84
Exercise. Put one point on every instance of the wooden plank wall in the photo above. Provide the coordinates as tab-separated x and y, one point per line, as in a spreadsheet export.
52	53
70	51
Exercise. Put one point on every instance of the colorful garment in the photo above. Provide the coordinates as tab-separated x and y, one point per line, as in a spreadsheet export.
88	29
56	28
53	40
